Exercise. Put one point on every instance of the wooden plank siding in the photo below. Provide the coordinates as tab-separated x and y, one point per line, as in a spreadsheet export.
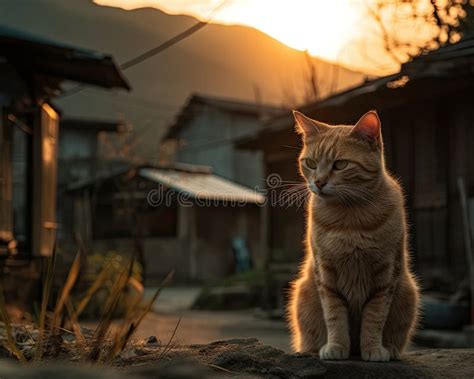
428	145
460	160
429	193
416	138
286	224
6	211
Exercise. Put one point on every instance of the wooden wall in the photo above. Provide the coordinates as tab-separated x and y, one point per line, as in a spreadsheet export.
428	146
287	223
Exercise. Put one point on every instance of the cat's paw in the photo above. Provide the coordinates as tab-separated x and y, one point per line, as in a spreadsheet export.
334	351
395	353
375	354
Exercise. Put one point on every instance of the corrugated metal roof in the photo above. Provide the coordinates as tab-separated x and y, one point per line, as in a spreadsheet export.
204	186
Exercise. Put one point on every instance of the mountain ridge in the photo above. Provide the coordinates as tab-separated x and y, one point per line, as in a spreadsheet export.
220	60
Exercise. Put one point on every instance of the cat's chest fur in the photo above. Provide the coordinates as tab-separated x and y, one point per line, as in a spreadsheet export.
354	259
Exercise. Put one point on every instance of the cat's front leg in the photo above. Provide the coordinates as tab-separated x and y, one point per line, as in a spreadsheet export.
374	316
336	317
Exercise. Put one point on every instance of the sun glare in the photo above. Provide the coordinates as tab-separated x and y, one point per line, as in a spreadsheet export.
324	28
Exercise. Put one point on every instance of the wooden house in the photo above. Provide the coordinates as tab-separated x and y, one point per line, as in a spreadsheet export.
82	156
427	113
205	130
32	70
171	217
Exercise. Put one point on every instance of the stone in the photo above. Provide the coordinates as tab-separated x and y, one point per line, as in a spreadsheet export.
151	341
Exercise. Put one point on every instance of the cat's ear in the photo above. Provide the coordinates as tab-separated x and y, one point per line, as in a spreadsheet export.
307	126
368	128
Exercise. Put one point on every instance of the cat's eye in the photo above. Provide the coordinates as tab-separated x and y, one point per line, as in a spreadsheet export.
340	164
310	163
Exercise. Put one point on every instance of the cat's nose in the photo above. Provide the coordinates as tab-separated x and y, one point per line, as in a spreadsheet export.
320	183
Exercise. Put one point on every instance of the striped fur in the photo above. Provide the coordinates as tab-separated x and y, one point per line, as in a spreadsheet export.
355	293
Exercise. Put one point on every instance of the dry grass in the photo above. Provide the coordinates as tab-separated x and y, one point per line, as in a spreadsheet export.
10	340
49	276
58	333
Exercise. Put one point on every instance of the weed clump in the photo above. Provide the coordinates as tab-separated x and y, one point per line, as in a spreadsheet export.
57	333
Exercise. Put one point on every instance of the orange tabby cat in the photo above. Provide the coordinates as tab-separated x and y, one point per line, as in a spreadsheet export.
355	293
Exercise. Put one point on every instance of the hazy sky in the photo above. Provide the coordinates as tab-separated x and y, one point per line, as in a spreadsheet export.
326	28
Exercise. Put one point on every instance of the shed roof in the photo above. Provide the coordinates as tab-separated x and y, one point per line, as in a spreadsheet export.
195	101
47	57
285	120
463	48
202	186
197	182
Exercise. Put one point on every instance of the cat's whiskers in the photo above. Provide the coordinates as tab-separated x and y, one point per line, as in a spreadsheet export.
288	185
303	199
290	197
292	188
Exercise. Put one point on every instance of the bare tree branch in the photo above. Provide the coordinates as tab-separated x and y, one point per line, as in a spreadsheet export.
448	19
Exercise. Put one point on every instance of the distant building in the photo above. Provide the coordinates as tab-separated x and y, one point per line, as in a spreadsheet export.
80	157
427	115
178	217
32	70
205	131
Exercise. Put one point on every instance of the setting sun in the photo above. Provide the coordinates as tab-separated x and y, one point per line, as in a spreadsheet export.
324	28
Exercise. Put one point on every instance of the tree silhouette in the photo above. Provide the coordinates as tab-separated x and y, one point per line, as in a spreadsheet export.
439	23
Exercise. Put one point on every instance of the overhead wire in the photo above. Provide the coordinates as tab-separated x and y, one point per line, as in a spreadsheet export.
160	48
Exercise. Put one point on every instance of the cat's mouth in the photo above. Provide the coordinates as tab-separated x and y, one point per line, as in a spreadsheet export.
320	192
324	194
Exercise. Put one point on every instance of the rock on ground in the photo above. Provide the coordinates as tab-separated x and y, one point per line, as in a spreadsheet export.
248	358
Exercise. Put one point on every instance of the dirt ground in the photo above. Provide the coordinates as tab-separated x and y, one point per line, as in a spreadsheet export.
252	346
243	357
200	327
249	359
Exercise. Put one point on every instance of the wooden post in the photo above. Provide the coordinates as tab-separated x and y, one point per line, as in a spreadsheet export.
193	266
264	240
187	233
265	251
467	240
6	182
45	140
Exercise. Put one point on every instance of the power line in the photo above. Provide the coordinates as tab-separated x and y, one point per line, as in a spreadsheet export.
160	48
165	45
174	40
